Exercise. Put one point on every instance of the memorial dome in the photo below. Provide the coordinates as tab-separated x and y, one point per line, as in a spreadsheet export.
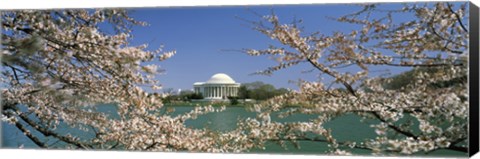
220	78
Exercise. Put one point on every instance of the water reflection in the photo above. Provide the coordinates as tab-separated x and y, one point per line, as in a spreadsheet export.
223	121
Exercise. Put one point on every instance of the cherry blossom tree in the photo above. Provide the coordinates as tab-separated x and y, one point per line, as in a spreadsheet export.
428	113
57	65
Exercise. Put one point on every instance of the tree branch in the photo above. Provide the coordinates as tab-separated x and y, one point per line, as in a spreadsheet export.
47	132
317	140
26	132
348	86
457	17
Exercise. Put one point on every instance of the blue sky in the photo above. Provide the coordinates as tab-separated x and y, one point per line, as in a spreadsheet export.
200	34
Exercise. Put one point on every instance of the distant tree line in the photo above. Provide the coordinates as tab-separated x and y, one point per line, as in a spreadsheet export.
402	80
185	96
259	91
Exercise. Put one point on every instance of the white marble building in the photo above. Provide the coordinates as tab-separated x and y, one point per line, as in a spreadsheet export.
219	86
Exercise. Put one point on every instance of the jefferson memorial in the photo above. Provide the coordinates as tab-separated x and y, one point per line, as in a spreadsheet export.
219	86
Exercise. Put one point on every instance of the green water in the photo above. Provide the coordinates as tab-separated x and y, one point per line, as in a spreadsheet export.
347	127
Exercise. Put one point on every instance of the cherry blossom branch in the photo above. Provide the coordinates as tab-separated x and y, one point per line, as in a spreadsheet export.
419	65
356	146
25	131
327	71
458	17
458	148
440	36
303	138
14	70
395	128
45	131
30	135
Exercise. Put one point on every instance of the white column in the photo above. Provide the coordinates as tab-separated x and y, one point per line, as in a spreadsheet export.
235	92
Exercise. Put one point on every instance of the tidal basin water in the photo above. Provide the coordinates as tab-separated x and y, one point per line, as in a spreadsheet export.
347	127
